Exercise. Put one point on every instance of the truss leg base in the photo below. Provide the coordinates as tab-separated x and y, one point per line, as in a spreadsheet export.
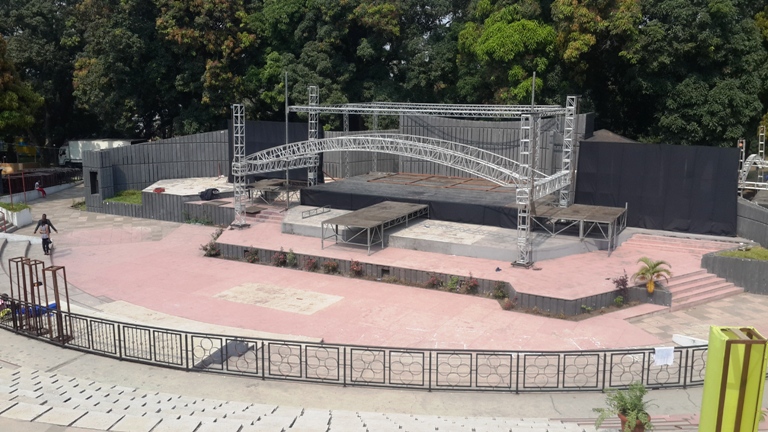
239	225
519	265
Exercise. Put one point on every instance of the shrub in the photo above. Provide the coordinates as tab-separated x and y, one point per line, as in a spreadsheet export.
355	268
279	259
251	255
290	259
619	301
622	284
469	286
310	265
211	249
433	282
453	284
330	267
499	290
508	304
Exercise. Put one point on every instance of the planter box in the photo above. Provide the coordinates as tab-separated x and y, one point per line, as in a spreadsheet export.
20	218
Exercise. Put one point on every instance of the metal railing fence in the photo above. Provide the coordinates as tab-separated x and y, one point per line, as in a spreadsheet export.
353	365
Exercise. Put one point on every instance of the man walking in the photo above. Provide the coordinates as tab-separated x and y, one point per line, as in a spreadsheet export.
45	226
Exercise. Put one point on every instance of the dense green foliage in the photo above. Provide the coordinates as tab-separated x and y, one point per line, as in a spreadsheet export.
674	71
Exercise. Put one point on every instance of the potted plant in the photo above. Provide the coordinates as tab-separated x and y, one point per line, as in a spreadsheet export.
630	406
650	272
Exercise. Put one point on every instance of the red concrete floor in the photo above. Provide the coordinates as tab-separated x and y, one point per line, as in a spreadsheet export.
171	276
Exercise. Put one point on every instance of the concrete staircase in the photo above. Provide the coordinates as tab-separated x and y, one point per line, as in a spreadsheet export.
30	395
272	215
678	244
6	226
698	287
660	423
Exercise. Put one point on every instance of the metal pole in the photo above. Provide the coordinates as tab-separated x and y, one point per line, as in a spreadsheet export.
286	107
24	186
10	190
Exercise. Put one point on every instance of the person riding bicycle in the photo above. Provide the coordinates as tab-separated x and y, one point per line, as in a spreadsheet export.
45	226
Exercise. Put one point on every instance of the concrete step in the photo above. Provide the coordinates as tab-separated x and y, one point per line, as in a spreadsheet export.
705	298
684	241
686	276
680	288
13	249
703	289
672	248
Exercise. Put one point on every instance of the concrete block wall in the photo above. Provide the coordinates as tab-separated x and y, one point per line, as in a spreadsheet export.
752	221
107	172
752	275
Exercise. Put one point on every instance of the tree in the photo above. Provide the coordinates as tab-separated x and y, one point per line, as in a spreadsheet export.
43	49
126	72
212	38
699	70
650	272
500	48
18	102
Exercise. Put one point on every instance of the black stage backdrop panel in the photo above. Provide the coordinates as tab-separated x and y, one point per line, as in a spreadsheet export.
674	188
453	205
263	135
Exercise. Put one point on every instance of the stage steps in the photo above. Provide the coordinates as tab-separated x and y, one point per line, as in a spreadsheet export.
38	396
271	215
679	244
697	288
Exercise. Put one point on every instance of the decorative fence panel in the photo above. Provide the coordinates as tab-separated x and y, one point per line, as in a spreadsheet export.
353	365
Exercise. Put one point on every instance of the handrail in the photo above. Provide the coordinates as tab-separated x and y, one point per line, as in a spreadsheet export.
517	371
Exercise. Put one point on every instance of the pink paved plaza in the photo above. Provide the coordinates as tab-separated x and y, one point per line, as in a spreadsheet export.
171	276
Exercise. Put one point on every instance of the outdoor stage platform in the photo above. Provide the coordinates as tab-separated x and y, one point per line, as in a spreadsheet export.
467	217
450	238
371	221
467	201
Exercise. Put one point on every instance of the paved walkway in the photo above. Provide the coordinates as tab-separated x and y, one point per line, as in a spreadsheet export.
158	266
145	270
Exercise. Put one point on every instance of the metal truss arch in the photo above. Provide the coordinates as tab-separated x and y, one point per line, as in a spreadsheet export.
490	166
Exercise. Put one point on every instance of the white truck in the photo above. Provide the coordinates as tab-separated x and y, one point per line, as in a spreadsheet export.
71	153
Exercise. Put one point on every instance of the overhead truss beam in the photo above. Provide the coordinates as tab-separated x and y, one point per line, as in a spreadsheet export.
465	111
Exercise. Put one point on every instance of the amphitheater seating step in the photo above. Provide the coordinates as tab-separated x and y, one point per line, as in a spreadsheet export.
30	395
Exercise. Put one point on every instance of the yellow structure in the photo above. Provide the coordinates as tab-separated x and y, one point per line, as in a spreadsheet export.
734	380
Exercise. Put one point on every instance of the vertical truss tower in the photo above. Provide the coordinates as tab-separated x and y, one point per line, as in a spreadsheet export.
238	171
569	138
523	196
314	100
761	151
346	153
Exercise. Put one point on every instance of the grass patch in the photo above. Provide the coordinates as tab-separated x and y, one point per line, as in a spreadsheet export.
15	207
78	205
756	253
130	196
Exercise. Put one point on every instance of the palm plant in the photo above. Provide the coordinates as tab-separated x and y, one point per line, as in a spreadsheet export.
650	272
